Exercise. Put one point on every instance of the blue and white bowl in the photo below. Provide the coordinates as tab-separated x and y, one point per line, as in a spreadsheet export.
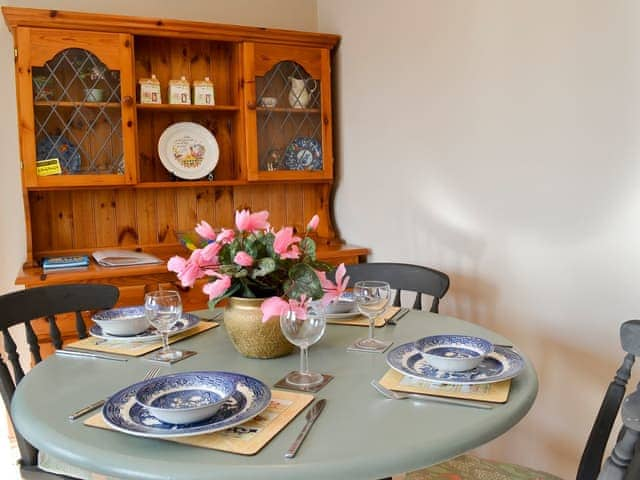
186	397
453	353
345	303
123	322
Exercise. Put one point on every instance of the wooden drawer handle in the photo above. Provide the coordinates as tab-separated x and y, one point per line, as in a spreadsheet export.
128	100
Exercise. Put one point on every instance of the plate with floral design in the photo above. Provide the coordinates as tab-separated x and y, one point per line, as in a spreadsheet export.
501	364
188	150
303	153
250	398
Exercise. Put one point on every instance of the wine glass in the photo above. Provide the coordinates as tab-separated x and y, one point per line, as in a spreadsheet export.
163	309
304	332
371	297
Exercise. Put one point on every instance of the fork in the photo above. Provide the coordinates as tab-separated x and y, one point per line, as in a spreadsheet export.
151	373
392	394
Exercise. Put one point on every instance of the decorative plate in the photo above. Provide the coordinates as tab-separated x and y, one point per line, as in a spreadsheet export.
187	321
501	364
454	353
303	153
186	397
188	150
250	398
59	147
343	307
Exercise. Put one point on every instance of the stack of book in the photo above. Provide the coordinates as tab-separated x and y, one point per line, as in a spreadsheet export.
74	262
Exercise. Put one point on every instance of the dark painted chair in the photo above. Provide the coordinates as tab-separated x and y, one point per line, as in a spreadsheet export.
624	462
402	276
20	308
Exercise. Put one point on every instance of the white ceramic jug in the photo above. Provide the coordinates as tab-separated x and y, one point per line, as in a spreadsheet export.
300	95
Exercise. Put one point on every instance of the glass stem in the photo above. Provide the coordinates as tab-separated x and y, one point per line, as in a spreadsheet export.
165	341
371	324
304	360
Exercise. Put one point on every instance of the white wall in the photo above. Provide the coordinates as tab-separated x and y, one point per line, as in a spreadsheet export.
502	138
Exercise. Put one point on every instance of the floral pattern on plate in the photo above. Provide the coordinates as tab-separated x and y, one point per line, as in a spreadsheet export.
187	321
501	364
303	153
250	398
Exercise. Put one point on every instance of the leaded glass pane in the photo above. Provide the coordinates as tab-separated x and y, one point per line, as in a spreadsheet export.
77	114
289	121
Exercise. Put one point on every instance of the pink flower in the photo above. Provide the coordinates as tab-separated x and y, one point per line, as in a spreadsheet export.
225	236
205	231
209	254
313	223
176	264
276	306
283	243
273	307
243	259
250	222
333	291
218	287
190	274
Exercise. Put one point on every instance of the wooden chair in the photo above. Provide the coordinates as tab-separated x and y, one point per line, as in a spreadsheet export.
20	308
402	276
624	462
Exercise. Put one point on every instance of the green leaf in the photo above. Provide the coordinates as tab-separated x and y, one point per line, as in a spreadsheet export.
263	267
309	247
303	281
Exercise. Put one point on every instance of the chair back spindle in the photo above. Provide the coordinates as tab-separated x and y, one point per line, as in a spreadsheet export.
404	277
43	302
591	461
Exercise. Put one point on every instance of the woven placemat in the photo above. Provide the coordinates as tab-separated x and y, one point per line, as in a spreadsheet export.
135	349
247	438
362	321
487	392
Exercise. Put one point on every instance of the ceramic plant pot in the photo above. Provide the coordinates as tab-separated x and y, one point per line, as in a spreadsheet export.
251	337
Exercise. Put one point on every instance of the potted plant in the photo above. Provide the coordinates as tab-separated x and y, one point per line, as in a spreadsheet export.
262	272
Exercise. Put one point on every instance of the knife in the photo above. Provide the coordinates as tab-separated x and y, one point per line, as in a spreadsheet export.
79	353
397	316
313	413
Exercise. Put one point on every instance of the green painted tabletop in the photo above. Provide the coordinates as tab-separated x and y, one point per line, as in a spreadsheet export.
360	435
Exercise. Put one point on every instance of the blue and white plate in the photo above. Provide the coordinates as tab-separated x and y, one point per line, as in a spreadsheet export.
123	413
186	397
501	364
150	334
454	353
303	153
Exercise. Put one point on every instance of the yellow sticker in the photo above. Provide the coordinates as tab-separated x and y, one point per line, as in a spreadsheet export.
50	166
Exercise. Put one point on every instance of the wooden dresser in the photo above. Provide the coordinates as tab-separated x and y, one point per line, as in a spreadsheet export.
97	172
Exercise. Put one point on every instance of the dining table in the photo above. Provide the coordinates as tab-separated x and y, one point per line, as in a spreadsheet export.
359	435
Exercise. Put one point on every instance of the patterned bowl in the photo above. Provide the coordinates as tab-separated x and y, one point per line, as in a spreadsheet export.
453	353
344	304
186	397
122	322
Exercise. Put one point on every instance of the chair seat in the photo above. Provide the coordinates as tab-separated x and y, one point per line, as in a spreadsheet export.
469	467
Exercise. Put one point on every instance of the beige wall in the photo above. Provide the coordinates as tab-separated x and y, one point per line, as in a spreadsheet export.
502	141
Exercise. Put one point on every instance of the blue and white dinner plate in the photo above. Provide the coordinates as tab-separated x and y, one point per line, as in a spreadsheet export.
187	321
303	153
501	364
250	398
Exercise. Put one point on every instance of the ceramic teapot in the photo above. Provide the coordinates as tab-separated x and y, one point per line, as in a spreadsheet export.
301	91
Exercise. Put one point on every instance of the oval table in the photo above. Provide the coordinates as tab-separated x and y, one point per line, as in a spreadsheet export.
360	434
